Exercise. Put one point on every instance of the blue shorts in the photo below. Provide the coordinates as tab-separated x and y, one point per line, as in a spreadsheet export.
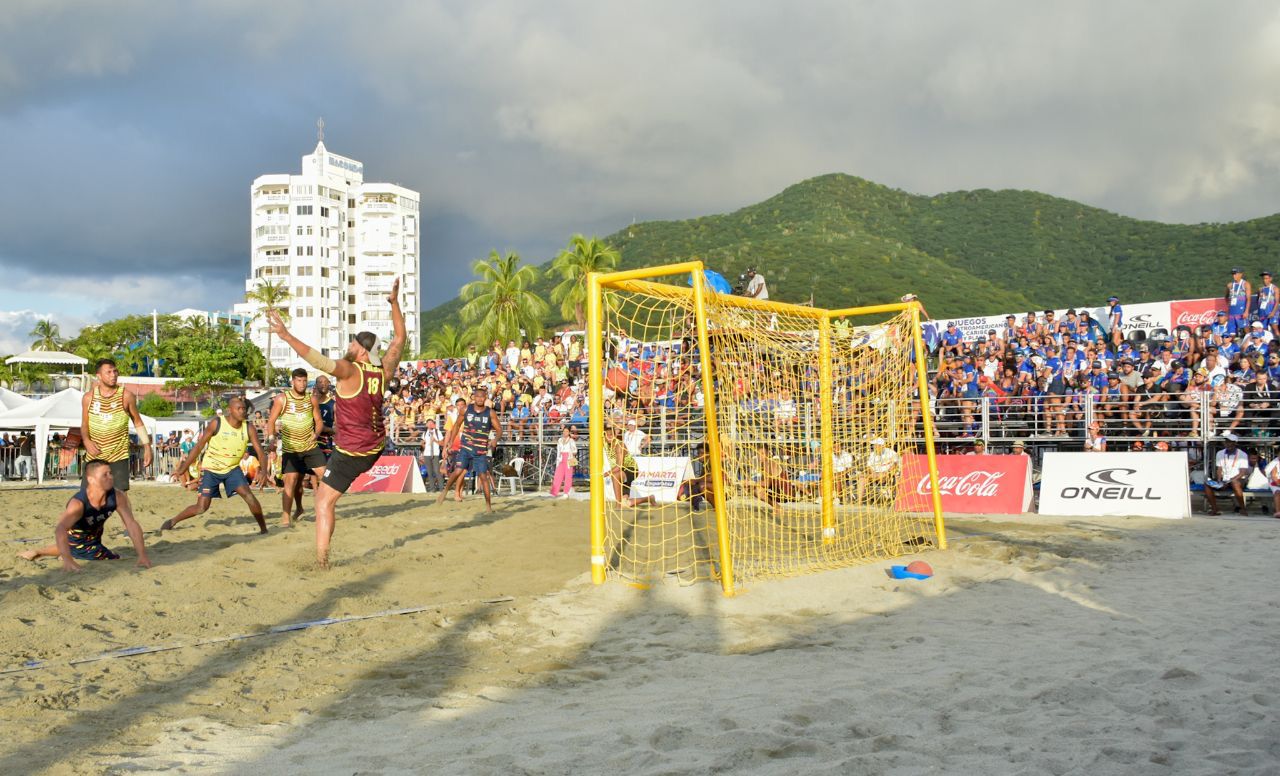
1237	323
229	482
476	463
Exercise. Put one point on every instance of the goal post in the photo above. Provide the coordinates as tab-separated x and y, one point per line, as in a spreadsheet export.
735	439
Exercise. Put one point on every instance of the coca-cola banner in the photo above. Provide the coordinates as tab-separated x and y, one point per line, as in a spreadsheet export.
1195	312
987	484
1152	484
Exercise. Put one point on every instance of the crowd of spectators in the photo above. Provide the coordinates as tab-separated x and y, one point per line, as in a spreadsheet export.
1037	374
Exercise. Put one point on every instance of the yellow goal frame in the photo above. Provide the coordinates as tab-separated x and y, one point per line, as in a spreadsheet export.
638	280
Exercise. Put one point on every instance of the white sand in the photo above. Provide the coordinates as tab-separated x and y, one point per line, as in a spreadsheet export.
1043	645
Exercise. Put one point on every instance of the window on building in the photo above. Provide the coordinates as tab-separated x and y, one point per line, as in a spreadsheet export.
351	318
351	203
351	298
324	212
299	250
310	250
304	210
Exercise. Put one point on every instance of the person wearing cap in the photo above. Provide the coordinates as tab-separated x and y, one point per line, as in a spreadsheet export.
1231	467
1220	327
360	433
1018	448
952	340
1237	297
1115	320
1259	334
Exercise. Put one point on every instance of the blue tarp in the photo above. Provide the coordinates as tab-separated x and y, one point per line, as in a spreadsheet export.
715	281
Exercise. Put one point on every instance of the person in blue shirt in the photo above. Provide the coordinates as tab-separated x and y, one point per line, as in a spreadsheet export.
1115	320
1089	327
1229	348
1220	328
1097	377
1010	328
1052	362
1267	311
1238	293
952	339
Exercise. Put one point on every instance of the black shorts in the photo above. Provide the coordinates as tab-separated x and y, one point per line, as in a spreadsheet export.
303	463
119	473
343	469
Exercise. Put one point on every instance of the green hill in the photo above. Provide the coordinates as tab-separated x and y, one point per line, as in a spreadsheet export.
848	241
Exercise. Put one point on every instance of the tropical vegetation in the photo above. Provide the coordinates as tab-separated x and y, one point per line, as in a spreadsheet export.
844	241
501	305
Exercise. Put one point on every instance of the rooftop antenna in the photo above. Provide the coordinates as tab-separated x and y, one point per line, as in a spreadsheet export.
320	129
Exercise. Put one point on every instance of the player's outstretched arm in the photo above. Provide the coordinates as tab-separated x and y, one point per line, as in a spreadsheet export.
277	409
135	536
339	369
391	359
73	512
90	447
262	459
184	466
131	407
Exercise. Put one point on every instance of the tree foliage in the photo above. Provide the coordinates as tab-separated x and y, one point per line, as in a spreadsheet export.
155	405
269	296
446	342
47	336
500	304
848	241
582	257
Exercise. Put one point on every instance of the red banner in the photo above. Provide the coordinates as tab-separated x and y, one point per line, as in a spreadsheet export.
391	474
986	484
1195	312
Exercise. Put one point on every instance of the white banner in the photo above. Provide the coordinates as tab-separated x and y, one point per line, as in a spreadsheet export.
1148	317
658	477
1115	484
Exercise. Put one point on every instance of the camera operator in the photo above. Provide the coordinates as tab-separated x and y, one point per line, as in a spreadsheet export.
756	288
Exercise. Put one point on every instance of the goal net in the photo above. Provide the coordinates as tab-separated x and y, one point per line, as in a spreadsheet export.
740	440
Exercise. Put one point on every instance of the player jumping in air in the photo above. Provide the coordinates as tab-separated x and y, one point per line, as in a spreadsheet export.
359	431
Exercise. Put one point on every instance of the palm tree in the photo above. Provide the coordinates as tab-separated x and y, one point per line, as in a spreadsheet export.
501	304
447	342
269	296
573	264
47	335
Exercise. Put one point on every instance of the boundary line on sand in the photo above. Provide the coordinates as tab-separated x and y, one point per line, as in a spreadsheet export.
36	665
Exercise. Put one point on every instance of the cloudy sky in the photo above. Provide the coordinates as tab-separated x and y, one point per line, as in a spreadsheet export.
131	131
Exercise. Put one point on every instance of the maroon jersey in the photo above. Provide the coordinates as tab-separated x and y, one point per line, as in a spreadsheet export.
360	429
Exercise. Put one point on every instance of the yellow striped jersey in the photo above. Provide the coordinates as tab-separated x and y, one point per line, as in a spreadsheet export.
297	424
109	425
225	448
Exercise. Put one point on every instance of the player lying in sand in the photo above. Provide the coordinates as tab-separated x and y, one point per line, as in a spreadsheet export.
226	438
78	535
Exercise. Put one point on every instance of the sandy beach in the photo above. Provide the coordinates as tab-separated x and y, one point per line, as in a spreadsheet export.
1042	645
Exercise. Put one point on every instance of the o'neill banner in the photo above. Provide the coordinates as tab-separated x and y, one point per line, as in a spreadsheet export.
1115	484
391	474
990	484
658	477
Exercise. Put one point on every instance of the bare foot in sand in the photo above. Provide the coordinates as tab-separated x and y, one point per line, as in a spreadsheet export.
31	554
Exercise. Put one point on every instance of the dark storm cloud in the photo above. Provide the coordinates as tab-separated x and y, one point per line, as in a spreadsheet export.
132	131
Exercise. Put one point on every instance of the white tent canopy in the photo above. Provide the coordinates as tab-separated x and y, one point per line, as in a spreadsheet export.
47	357
10	399
58	412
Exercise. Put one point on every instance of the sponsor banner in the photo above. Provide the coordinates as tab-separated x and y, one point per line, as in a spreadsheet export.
1115	484
1195	312
1151	318
391	474
660	477
986	484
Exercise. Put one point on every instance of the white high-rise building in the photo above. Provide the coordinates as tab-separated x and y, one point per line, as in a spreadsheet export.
337	243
